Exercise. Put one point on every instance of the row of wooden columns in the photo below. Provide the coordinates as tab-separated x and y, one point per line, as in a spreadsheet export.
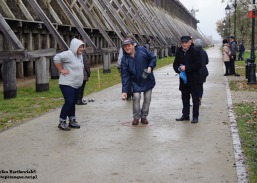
42	65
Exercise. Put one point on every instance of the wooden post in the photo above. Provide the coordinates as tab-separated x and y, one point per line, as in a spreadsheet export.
19	68
161	53
54	71
42	74
106	63
9	79
155	51
166	52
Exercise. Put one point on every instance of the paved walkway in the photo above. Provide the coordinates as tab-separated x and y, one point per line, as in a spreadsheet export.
107	149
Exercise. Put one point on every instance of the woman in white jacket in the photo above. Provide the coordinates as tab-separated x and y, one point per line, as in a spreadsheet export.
70	65
226	56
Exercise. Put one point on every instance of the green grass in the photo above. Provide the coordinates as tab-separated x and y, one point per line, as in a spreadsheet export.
29	103
246	113
247	125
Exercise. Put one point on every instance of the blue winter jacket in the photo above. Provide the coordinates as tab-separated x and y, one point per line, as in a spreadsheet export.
133	68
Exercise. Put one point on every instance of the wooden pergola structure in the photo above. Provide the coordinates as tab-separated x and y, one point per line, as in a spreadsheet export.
32	31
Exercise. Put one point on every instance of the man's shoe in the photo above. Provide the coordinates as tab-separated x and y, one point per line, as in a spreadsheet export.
73	124
236	74
226	74
182	118
135	122
63	126
194	120
144	121
80	102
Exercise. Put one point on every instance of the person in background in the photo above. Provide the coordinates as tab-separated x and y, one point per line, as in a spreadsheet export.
147	44
173	50
233	49
192	41
70	65
188	59
137	66
241	51
87	73
203	71
118	65
226	56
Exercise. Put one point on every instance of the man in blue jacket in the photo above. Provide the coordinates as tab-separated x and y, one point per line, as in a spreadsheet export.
137	66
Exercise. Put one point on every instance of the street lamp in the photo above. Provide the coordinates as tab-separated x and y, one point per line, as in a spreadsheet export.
251	62
235	5
227	9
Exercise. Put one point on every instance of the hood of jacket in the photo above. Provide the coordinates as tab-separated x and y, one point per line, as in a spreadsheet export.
75	44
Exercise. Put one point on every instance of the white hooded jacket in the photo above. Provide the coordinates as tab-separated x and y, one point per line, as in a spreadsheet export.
73	63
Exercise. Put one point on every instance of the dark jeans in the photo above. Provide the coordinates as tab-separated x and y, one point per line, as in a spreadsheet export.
81	91
241	56
227	65
68	108
232	64
186	102
200	94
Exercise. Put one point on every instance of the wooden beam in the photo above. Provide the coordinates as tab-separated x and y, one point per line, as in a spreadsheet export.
82	16
135	29
76	23
7	10
24	10
41	53
148	17
9	34
96	23
52	12
23	54
48	24
14	54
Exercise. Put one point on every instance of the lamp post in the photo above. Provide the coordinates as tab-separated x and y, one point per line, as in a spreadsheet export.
251	64
227	9
235	5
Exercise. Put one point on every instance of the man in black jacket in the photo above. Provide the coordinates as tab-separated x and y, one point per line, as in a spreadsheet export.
86	73
188	60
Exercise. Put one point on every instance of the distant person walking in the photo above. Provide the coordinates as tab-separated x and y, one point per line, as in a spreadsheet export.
70	65
147	44
233	49
137	66
188	60
226	56
203	71
241	51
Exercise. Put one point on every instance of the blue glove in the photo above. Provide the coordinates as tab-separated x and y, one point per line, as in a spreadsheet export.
183	76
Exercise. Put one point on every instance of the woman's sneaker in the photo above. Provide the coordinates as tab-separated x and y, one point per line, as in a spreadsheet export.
63	126
74	124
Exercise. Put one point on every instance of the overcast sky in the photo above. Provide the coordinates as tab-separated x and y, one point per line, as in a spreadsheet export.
209	12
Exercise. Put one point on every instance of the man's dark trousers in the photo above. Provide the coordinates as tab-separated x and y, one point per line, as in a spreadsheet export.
186	102
232	64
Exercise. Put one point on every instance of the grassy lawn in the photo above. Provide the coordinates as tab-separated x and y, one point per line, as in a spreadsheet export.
246	113
29	103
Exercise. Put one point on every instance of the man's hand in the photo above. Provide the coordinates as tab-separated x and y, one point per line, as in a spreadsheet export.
124	96
182	68
149	69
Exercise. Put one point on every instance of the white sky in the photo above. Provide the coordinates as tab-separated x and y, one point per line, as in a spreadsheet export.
209	12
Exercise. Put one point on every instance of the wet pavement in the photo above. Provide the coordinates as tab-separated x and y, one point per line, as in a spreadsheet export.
108	149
